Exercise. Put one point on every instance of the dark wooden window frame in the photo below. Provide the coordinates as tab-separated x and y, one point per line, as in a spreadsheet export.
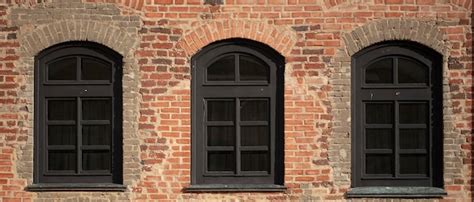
393	93
273	90
71	89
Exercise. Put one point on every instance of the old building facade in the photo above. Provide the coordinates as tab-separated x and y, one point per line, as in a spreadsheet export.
236	100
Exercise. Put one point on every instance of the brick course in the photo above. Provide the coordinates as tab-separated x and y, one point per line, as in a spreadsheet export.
157	38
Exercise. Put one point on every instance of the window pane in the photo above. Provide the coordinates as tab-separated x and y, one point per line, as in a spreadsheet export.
413	138
96	160
413	164
96	109
61	135
378	164
96	134
222	70
220	136
221	110
62	160
252	69
254	110
254	135
255	161
410	71
379	113
413	113
378	138
61	109
380	72
221	161
64	69
94	69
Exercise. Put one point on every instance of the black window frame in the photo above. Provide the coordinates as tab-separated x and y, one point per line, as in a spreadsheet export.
397	93
272	90
78	90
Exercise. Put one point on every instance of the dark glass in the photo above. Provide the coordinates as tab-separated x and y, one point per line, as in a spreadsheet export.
221	161
255	135
62	160
96	134
380	71
378	164
222	70
254	110
95	69
410	71
221	110
252	69
61	109
96	160
377	138
61	135
220	135
64	69
413	164
412	113
96	109
255	161
379	113
413	138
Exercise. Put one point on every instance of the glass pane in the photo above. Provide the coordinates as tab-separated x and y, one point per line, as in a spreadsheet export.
221	110
252	69
96	135
413	113
222	70
413	138
254	136
378	164
221	161
380	72
94	69
410	71
64	69
220	136
413	164
61	135
61	160
254	110
255	161
379	113
96	109
62	110
96	160
377	138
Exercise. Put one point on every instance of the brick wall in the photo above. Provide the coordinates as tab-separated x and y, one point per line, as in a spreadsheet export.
157	39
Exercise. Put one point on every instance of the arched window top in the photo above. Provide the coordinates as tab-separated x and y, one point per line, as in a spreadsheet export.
396	70
238	67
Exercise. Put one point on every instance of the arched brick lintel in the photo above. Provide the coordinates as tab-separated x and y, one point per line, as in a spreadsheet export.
45	36
395	29
280	39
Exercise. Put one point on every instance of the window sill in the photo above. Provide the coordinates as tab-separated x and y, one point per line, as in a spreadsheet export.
76	187
395	192
236	188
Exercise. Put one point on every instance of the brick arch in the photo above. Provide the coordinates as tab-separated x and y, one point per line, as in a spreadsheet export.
45	36
132	4
395	29
280	39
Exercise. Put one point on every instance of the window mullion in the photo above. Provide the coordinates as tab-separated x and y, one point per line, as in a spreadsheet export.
237	136
237	68
395	71
79	135
78	69
397	139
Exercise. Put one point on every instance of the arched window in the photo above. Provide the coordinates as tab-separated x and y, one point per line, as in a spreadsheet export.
237	114
397	116
78	112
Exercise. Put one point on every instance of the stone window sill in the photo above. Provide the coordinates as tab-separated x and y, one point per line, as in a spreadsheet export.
236	188
76	187
395	192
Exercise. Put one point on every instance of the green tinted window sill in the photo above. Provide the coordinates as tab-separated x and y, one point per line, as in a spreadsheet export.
76	187
395	192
